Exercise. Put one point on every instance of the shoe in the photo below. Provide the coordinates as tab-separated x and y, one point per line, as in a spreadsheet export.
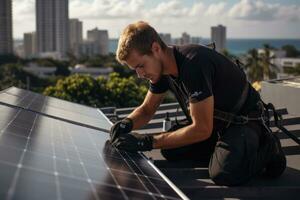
276	166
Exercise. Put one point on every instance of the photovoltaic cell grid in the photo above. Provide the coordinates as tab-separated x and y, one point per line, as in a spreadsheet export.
54	107
42	157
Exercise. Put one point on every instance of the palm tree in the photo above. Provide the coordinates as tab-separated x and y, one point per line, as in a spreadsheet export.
269	68
253	66
259	66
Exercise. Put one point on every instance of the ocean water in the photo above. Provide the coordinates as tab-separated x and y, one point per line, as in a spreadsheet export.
237	46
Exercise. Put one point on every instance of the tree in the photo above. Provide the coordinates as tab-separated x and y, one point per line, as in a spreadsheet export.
111	91
125	92
291	51
14	75
10	58
259	66
253	66
76	88
269	69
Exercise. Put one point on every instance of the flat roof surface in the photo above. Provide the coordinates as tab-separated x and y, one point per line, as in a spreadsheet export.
193	178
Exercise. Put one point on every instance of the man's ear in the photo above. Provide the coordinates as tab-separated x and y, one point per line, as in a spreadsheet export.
155	48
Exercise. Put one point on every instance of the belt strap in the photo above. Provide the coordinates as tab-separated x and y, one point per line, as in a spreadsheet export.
241	100
236	119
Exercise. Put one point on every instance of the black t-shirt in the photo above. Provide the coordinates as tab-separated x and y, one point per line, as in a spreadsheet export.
203	72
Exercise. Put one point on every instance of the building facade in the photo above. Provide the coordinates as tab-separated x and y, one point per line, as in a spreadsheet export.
52	25
6	36
75	31
185	38
218	35
30	46
100	38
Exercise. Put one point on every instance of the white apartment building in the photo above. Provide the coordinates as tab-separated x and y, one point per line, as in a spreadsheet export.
218	35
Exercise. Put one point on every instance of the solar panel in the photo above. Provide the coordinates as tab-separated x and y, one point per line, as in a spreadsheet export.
81	114
46	158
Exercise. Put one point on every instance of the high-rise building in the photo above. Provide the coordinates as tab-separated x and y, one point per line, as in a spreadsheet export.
52	25
88	48
6	38
100	37
75	31
166	37
185	38
30	47
218	35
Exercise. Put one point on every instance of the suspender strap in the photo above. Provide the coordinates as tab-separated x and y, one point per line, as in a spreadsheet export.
224	116
178	94
241	100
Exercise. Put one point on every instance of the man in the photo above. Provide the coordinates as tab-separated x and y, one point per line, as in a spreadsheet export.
213	93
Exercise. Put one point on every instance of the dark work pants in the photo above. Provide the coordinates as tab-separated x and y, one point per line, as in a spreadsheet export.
234	156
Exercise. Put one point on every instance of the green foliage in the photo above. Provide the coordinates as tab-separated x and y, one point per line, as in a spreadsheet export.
111	91
77	88
259	66
14	75
11	59
125	91
291	51
62	66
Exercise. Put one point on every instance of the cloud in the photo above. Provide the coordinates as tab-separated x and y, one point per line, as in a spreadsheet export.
173	16
197	9
216	9
261	11
23	8
171	8
291	13
106	9
23	17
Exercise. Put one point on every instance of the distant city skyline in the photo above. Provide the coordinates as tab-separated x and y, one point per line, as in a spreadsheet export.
243	19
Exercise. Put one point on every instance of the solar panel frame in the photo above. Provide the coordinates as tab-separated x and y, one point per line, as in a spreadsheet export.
8	138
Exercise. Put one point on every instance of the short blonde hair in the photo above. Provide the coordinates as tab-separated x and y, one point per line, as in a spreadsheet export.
139	36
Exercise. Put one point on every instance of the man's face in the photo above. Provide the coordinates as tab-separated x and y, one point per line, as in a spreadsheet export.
149	67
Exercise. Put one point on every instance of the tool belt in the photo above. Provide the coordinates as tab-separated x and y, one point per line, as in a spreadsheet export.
262	116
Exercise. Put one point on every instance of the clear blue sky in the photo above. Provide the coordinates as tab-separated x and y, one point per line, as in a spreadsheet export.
243	18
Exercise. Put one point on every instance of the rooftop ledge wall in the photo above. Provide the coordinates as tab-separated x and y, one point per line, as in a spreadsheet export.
283	95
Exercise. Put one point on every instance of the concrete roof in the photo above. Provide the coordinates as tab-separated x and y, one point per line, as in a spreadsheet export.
193	179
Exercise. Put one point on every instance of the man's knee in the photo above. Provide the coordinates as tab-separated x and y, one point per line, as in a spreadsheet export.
228	174
222	177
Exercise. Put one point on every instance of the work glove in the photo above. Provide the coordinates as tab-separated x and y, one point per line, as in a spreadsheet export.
134	142
121	127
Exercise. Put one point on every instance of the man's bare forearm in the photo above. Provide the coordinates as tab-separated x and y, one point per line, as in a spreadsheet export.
140	117
181	137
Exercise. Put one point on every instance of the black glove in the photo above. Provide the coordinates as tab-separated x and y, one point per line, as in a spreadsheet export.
121	127
134	142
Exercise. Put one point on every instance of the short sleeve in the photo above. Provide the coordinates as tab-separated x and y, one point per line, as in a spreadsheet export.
160	87
198	79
